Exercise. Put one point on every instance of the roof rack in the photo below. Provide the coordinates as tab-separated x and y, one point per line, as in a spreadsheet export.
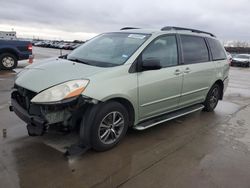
168	28
127	28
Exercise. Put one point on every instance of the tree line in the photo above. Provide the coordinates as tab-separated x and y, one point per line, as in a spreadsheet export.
240	50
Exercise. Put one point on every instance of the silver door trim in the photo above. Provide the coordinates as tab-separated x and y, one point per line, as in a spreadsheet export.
173	97
195	91
160	100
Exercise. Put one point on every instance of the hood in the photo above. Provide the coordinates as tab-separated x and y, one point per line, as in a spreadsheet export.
45	74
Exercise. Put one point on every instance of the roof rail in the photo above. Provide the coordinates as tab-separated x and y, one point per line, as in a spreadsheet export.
127	28
168	28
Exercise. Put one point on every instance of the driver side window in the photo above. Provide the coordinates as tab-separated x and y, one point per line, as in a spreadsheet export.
163	49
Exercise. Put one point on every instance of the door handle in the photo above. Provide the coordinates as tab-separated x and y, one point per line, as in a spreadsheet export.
187	70
177	72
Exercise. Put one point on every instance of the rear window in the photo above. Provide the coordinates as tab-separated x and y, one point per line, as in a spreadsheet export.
194	49
217	50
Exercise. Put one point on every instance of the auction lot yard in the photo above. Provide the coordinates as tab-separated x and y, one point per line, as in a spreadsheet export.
198	150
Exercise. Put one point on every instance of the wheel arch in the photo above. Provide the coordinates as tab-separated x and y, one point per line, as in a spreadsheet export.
221	84
128	105
10	51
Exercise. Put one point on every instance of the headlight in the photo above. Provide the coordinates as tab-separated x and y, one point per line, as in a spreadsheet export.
62	91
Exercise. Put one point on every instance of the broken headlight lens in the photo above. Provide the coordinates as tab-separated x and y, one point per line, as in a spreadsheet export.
62	91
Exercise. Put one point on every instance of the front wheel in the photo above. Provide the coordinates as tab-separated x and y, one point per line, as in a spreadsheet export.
212	98
110	126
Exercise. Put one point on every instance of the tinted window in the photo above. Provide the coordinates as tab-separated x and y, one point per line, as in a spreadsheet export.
163	49
194	49
217	50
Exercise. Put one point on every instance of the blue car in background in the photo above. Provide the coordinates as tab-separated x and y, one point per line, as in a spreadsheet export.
11	51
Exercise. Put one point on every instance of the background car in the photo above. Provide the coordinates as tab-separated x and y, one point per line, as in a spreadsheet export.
66	45
11	51
242	60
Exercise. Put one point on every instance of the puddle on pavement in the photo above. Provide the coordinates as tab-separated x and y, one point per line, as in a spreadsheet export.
240	127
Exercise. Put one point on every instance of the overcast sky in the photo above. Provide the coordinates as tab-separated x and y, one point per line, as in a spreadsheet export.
82	19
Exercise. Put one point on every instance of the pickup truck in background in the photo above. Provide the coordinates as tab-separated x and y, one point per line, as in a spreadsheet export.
11	51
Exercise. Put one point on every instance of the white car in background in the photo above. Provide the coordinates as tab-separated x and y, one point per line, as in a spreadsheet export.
242	60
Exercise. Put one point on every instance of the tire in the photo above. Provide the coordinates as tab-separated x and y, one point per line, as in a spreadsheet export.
105	132
8	61
212	98
247	64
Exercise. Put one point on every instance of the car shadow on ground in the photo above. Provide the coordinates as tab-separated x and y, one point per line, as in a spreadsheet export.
7	72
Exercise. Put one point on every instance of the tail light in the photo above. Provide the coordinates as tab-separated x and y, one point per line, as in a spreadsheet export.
30	47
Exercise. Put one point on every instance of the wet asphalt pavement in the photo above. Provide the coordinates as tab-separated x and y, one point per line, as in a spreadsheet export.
198	150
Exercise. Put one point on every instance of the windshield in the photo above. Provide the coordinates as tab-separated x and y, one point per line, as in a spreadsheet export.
108	50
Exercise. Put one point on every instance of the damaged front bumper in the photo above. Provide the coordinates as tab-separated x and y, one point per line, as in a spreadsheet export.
24	115
39	117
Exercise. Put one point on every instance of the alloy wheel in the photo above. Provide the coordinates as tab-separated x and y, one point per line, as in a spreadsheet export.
214	97
111	127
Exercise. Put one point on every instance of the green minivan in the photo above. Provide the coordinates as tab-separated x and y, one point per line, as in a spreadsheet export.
132	78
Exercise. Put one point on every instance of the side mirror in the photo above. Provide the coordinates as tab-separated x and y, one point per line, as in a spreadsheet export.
151	64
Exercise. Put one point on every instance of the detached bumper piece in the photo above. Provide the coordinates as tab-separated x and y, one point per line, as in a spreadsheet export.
35	124
35	129
23	114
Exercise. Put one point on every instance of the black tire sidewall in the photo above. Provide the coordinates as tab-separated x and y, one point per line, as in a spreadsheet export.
2	56
105	109
207	103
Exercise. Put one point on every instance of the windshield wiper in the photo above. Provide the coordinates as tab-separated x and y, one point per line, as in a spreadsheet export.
79	61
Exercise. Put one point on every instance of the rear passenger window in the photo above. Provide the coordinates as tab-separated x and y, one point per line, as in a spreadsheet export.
217	50
164	49
194	49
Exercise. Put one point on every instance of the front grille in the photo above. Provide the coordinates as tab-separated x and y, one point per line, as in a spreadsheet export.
24	96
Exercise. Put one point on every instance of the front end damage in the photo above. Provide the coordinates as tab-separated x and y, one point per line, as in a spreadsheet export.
40	118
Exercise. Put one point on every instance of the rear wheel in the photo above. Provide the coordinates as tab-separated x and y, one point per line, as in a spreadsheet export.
110	126
212	98
8	61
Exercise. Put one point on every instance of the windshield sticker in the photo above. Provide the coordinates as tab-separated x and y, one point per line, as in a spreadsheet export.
125	56
136	36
